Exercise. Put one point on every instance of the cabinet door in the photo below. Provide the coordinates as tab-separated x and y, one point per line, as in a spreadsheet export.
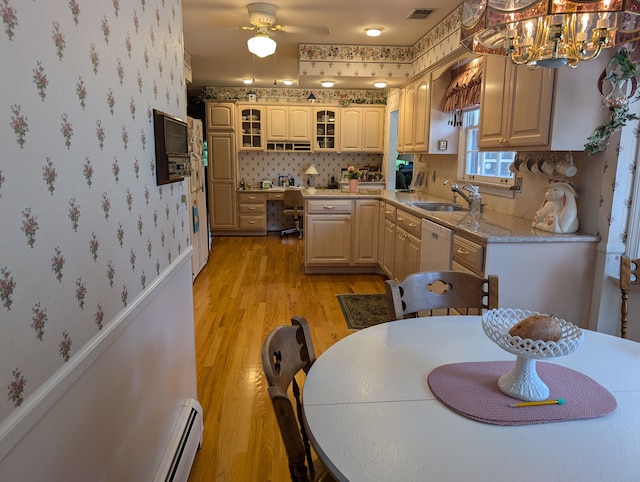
350	128
406	121
421	113
372	129
222	204
251	124
531	102
412	254
328	239
365	249
299	124
220	116
326	129
222	179
400	240
515	108
388	247
222	156
493	103
277	123
381	220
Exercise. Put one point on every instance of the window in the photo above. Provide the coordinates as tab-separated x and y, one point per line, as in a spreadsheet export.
488	167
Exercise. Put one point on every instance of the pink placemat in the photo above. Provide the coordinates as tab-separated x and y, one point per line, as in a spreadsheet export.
471	389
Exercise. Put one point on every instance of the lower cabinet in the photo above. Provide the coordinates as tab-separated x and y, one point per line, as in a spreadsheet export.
252	213
407	244
341	235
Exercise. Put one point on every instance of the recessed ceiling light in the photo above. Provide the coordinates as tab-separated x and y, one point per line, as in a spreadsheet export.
287	82
380	85
247	81
373	31
328	83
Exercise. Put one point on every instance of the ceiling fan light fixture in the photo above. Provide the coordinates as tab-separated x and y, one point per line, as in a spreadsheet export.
379	85
328	83
261	45
373	31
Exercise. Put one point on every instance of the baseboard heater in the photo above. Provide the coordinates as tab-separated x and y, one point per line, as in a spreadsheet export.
183	444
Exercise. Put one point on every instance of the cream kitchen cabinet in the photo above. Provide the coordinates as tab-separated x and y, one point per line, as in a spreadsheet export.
361	129
289	123
327	232
341	235
388	243
326	122
365	248
407	245
223	165
414	124
251	135
542	109
252	212
220	116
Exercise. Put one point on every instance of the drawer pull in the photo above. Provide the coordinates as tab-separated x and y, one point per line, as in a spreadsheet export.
328	207
461	251
401	219
412	225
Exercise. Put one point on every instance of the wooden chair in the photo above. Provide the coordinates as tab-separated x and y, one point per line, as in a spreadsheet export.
445	291
629	275
286	351
294	206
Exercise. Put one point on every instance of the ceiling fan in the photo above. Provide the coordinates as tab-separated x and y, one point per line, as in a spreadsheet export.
262	17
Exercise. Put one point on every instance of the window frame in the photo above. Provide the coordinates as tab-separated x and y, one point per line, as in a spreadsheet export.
470	127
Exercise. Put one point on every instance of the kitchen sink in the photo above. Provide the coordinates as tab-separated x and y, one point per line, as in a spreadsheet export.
433	206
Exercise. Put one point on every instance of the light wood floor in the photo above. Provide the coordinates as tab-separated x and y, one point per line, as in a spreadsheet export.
249	286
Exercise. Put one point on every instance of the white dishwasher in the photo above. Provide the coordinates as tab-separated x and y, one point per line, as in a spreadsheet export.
436	247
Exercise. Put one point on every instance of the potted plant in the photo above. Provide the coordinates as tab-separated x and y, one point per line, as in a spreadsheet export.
354	178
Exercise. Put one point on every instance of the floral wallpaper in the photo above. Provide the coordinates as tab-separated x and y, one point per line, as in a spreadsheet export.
85	228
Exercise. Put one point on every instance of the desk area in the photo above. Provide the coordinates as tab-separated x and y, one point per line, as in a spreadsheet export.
372	416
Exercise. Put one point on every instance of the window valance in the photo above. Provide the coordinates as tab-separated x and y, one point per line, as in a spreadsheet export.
464	89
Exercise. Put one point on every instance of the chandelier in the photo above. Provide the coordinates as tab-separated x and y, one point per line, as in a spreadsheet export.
261	44
548	33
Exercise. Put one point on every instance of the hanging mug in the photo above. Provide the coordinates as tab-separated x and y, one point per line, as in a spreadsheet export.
549	165
517	163
566	167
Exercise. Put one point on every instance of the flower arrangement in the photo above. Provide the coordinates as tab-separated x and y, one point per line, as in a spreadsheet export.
352	173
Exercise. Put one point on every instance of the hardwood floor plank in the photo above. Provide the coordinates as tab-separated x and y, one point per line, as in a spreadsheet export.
249	286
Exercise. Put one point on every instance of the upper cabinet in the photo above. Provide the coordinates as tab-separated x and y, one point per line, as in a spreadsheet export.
220	116
289	123
542	109
326	128
422	125
251	127
362	128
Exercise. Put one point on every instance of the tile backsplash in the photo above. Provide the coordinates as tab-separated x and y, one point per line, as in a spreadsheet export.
256	166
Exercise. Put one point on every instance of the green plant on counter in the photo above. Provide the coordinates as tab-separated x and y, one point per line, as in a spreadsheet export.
353	173
623	69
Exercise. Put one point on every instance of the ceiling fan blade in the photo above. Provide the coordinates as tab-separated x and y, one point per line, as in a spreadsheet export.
298	29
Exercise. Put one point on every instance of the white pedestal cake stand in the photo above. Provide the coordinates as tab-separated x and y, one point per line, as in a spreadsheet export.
523	381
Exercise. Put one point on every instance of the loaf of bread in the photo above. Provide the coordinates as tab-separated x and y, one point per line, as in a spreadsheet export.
538	327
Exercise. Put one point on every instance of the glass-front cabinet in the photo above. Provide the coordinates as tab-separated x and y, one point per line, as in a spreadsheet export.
326	129
251	127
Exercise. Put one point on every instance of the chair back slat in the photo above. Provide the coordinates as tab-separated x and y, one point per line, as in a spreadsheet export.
440	292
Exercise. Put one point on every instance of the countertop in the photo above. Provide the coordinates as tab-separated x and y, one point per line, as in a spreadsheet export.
494	227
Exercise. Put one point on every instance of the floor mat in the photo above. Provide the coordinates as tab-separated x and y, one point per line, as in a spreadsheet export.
363	310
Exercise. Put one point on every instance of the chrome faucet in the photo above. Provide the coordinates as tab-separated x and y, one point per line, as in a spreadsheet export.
473	198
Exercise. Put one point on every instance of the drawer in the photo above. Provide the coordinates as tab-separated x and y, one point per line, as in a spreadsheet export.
252	197
275	196
390	212
469	254
250	208
328	206
409	223
253	222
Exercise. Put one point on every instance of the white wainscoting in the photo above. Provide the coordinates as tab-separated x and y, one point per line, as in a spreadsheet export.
108	413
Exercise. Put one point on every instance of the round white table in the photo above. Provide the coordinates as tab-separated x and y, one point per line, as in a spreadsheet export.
372	417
